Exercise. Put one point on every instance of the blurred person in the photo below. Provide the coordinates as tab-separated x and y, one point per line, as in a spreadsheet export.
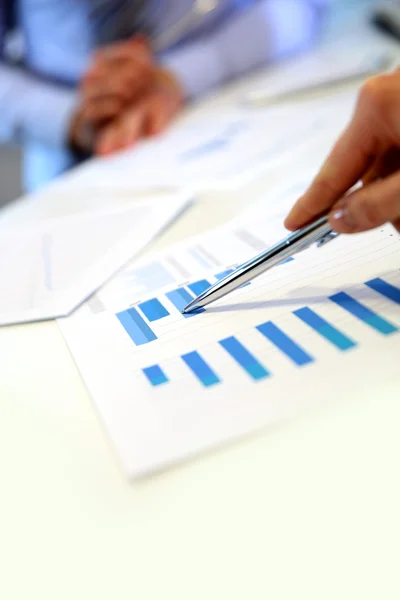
88	69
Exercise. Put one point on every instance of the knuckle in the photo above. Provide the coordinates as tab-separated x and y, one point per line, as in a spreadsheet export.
378	92
372	91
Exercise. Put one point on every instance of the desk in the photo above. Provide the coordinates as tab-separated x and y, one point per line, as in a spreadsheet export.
309	509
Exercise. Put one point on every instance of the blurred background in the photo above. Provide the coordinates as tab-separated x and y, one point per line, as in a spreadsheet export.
10	173
343	13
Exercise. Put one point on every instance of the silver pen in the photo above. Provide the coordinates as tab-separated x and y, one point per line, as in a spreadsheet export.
319	232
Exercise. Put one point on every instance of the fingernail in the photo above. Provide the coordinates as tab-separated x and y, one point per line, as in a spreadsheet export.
339	214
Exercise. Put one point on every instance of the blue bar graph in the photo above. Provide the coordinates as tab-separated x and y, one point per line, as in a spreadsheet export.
198	287
155	375
141	333
201	369
385	289
363	313
136	327
285	344
180	298
244	358
330	333
153	310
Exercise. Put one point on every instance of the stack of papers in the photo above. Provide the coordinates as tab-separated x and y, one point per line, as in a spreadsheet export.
50	267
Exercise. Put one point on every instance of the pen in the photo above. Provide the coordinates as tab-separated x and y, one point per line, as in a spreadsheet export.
318	232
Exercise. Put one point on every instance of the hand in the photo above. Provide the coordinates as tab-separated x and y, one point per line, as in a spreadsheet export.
368	150
119	73
122	70
148	116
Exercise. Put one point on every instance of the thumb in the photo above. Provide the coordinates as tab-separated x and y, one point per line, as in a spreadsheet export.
369	207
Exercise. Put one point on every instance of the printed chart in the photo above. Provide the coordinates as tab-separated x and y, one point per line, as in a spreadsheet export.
169	386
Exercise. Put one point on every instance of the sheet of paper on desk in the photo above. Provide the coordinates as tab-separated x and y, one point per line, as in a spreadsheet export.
49	268
322	326
333	64
225	150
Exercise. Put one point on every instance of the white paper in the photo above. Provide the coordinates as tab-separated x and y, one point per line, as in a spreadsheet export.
331	64
153	426
224	150
50	267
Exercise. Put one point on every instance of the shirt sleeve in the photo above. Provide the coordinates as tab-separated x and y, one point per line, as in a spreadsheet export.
263	32
31	108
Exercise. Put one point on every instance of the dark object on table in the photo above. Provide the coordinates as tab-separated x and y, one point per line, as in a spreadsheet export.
387	17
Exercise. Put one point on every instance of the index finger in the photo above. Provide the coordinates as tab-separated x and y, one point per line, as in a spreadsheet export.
351	157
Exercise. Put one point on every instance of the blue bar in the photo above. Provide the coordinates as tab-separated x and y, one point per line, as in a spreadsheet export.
180	298
153	310
224	274
201	369
155	375
136	327
385	289
333	335
198	287
208	147
285	344
363	313
288	260
245	359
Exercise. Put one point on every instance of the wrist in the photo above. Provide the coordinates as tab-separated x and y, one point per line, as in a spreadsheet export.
169	81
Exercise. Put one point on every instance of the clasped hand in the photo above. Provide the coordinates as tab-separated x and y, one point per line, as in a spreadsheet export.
124	96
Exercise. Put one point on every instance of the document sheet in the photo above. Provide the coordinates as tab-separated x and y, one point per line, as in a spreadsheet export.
320	327
225	149
50	267
330	64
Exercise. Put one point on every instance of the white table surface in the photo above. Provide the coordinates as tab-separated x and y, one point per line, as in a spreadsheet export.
309	509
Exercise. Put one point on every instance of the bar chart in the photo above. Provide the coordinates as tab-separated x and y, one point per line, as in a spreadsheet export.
281	340
322	329
137	320
190	263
